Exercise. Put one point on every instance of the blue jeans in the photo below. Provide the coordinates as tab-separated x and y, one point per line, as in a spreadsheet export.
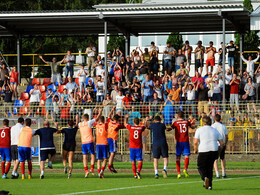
167	64
147	98
177	67
231	61
82	85
100	98
69	71
191	104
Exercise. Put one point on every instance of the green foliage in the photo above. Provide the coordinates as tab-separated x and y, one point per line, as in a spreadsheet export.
247	4
176	40
116	41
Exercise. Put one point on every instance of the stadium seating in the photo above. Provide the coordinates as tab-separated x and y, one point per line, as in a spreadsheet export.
24	96
42	88
27	103
46	81
36	153
43	111
52	87
61	87
17	105
28	89
36	81
88	79
43	96
23	111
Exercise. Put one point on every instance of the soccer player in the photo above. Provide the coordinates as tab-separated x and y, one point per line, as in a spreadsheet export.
87	141
102	145
181	128
47	146
24	147
135	145
69	146
5	140
160	146
113	128
222	129
15	133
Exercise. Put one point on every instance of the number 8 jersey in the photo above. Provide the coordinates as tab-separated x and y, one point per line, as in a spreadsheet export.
181	130
5	137
135	140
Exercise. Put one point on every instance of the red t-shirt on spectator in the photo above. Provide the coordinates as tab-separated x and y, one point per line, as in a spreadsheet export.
200	80
234	89
14	77
127	101
65	113
118	75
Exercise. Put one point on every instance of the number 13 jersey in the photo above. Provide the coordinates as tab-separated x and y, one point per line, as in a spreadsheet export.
181	130
135	140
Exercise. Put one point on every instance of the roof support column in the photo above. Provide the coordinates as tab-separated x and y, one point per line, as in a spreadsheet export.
241	50
224	62
127	44
19	56
105	48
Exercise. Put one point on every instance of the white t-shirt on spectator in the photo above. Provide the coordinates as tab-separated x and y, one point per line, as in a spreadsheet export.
258	78
191	94
119	101
90	52
83	76
15	133
208	138
222	129
168	56
100	88
100	72
216	88
35	96
228	78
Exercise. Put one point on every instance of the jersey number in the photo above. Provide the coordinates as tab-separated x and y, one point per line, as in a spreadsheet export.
136	135
183	128
3	134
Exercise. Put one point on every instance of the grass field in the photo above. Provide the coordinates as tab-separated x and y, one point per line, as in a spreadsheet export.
56	182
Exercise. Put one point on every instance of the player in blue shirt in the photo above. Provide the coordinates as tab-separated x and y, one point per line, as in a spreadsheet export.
160	146
46	145
69	146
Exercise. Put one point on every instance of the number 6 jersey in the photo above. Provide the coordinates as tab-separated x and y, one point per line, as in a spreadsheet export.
5	137
181	130
135	140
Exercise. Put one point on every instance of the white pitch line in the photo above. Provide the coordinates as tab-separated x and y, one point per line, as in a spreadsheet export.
145	186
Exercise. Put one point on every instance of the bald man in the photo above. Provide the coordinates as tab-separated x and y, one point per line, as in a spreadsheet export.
46	145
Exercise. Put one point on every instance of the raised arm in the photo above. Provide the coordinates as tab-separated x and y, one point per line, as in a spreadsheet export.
43	60
112	112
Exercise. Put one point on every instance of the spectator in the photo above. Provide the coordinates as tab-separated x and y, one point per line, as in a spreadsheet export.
91	51
209	83
127	65
257	74
143	66
167	83
90	89
132	115
100	85
118	73
217	91
71	85
210	51
182	78
65	113
146	55
158	89
55	69
220	53
4	76
250	91
154	64
100	71
114	93
97	64
122	65
127	102
231	49
199	57
181	69
174	92
155	106
190	91
34	100
169	110
64	96
228	78
174	79
48	103
168	52
119	102
203	105
131	72
118	54
56	109
109	58
135	55
234	90
140	77
154	48
136	95
250	64
107	103
125	88
111	68
147	85
187	49
14	82
82	75
8	105
180	58
69	60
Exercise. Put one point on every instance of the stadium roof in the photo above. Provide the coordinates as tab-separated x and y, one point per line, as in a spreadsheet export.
128	18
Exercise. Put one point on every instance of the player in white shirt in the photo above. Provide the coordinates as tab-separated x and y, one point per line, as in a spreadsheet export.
206	143
15	133
222	129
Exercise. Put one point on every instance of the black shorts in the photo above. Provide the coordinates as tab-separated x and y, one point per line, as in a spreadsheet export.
44	153
14	152
1	83
199	63
69	147
160	150
221	153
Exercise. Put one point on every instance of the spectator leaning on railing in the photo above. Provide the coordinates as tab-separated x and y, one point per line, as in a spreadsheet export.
91	51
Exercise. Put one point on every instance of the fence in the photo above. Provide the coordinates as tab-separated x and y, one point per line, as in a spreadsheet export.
243	124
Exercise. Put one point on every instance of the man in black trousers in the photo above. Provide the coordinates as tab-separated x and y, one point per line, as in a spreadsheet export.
206	143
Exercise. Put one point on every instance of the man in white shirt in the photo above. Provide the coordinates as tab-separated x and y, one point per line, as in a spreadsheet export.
119	102
15	133
168	52
206	143
91	51
34	100
250	64
82	75
100	85
69	60
222	129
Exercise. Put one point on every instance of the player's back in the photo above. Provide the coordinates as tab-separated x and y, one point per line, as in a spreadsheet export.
101	134
25	138
5	137
158	130
86	133
46	137
181	130
15	133
70	135
135	140
113	129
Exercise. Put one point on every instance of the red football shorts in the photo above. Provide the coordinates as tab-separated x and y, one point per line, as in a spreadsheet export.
210	62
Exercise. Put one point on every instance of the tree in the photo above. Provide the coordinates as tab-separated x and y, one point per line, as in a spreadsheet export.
176	40
116	41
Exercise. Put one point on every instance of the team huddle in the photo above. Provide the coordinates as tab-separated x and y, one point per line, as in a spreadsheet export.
15	144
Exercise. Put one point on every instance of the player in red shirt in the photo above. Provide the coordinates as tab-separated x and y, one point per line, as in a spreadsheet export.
181	128
5	145
135	145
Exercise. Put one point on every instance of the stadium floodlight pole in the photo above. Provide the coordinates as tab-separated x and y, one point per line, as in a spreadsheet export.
105	47
224	62
19	56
